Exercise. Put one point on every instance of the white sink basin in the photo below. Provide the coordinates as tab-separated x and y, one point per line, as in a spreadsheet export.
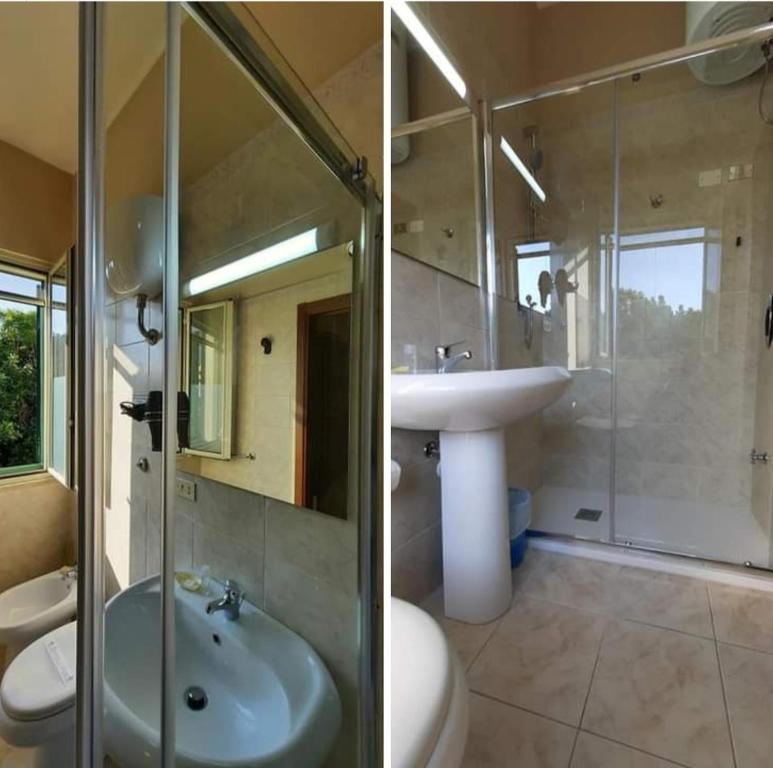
470	410
271	701
31	609
473	400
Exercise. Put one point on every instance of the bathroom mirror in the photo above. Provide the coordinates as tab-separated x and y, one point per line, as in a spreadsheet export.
434	205
266	242
266	371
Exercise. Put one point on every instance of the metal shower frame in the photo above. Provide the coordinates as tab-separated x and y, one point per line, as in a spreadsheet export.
274	82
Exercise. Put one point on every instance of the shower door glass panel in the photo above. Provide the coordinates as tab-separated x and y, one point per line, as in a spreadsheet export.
133	47
554	260
265	229
694	274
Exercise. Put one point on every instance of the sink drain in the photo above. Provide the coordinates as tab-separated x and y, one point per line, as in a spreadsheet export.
196	698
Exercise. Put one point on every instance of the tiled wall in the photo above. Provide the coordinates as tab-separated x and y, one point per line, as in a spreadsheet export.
428	308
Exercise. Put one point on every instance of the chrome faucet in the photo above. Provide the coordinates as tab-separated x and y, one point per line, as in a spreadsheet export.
230	602
69	573
445	362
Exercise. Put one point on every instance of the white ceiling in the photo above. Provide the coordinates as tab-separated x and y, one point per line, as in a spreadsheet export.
39	65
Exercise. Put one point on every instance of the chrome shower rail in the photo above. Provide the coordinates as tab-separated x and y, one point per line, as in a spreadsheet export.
433	121
656	60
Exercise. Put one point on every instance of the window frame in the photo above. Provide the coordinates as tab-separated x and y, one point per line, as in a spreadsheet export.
68	478
10	265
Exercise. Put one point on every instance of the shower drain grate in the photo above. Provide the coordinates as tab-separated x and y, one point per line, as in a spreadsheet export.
591	515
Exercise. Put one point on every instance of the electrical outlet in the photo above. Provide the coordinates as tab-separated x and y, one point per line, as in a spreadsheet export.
186	489
710	178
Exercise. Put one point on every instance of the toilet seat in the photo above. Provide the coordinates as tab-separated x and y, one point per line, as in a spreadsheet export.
429	693
37	693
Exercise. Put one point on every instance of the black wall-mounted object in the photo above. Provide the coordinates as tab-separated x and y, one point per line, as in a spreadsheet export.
267	343
152	413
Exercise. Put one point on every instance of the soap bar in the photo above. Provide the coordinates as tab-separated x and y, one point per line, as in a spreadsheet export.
188	581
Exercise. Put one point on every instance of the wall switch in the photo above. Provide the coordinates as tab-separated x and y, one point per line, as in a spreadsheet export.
710	178
186	489
736	172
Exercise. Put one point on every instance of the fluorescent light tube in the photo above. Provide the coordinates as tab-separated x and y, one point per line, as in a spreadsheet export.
521	168
431	48
288	250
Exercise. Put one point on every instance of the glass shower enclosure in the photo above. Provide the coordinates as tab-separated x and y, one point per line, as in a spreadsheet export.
642	263
227	573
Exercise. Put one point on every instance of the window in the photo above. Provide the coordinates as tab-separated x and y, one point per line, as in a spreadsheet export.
22	320
35	365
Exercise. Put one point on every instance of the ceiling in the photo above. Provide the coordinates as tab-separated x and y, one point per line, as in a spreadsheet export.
39	45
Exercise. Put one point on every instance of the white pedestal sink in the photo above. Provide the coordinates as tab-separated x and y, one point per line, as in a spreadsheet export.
470	410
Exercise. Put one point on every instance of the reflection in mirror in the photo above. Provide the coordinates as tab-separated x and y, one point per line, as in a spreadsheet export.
208	376
434	213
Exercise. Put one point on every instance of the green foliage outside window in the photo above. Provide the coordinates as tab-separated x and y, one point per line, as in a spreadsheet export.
20	401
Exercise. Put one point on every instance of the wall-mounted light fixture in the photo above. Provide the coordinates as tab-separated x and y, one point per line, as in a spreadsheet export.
293	248
423	37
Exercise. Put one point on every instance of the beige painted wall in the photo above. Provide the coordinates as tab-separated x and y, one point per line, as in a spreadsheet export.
35	528
37	206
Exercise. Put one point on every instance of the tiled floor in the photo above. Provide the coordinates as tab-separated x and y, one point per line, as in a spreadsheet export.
599	665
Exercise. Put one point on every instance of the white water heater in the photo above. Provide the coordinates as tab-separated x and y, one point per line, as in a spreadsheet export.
707	20
401	147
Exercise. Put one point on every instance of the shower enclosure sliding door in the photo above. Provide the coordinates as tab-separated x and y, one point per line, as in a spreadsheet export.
646	271
217	202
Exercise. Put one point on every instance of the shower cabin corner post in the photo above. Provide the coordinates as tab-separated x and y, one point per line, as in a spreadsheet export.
364	487
614	298
90	312
171	283
484	156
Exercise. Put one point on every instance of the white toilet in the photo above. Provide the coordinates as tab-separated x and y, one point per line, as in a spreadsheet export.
430	698
37	703
30	609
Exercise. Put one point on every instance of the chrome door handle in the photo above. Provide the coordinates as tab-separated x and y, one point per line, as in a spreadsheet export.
769	322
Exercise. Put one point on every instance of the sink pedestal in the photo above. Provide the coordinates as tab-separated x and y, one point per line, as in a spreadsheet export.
476	551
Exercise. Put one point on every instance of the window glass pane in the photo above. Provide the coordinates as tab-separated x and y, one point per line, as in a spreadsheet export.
529	270
59	391
20	401
58	293
207	378
28	287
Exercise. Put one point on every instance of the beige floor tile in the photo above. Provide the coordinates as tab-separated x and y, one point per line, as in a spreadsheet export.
574	581
660	691
743	616
665	600
504	737
466	639
528	567
748	677
541	658
594	752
